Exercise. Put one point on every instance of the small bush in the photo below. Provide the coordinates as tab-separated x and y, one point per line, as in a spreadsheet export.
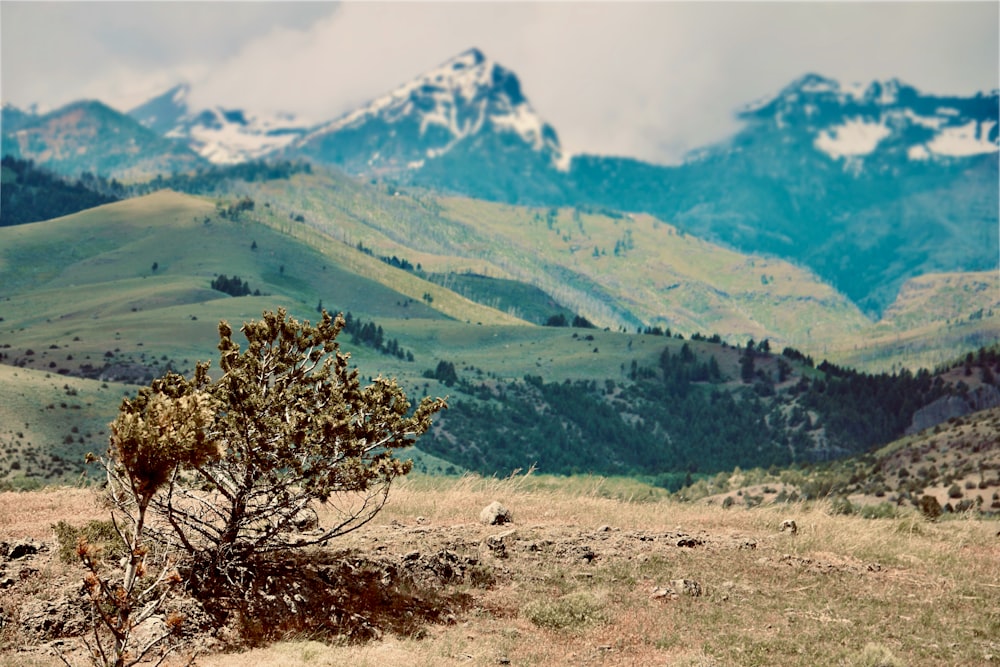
964	505
880	511
841	505
571	611
101	534
955	491
875	655
930	507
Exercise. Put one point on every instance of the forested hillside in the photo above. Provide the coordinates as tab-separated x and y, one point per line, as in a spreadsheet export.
30	194
685	416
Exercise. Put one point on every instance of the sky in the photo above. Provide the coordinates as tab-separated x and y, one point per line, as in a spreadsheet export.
650	80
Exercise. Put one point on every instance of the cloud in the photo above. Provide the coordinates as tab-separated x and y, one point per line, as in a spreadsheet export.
651	80
645	79
122	52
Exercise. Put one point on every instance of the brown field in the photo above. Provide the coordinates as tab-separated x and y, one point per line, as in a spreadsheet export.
583	579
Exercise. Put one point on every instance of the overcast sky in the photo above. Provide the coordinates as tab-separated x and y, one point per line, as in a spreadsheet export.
644	79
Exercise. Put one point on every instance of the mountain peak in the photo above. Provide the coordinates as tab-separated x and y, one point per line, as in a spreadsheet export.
164	111
467	96
179	93
474	56
852	121
811	83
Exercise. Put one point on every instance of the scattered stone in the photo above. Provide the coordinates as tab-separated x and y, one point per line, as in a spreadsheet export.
497	544
150	630
662	593
21	549
686	587
690	542
874	567
305	520
749	544
447	566
413	555
63	616
790	526
604	529
495	514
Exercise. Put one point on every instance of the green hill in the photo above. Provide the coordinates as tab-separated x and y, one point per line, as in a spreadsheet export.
116	295
29	194
637	272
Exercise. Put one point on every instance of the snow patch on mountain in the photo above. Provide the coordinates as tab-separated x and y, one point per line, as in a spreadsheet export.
856	136
855	90
932	122
229	137
222	136
971	138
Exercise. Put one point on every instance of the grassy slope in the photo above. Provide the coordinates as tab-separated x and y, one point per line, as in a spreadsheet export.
48	423
666	278
934	317
963	452
69	277
81	291
671	279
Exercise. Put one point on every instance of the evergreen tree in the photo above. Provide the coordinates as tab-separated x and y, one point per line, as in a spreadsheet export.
289	424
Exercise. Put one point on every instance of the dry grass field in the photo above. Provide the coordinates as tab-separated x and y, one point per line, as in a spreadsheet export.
589	572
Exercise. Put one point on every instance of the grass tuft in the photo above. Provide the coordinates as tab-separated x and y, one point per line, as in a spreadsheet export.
573	611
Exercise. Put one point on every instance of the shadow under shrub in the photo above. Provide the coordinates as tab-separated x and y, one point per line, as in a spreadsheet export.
342	596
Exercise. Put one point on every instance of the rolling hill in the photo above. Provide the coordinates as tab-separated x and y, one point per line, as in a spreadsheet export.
101	300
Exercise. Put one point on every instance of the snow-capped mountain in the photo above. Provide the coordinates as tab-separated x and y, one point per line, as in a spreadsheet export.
448	108
222	136
852	122
867	185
